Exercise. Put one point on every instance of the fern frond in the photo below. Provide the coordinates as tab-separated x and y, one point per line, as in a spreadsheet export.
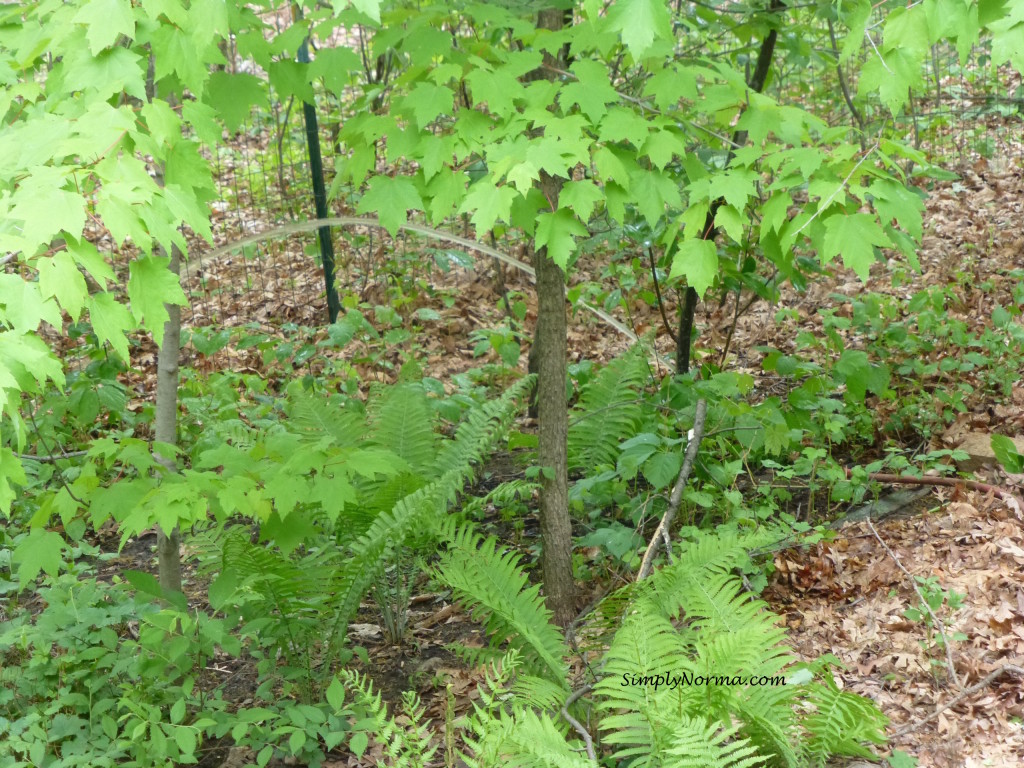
840	723
477	433
319	419
524	739
256	568
539	692
634	701
409	745
400	419
608	412
698	743
424	509
493	586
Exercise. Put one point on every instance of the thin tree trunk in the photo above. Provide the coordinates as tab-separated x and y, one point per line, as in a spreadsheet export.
165	430
168	543
689	305
552	412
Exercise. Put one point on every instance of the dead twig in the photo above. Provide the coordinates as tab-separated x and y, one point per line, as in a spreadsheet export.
576	725
675	499
984	682
935	619
950	482
51	458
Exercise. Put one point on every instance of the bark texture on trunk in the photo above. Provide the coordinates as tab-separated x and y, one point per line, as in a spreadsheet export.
553	428
551	349
165	428
168	543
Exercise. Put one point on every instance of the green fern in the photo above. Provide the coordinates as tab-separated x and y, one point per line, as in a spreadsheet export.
424	509
698	743
400	419
324	420
690	619
502	732
493	585
608	412
407	745
840	723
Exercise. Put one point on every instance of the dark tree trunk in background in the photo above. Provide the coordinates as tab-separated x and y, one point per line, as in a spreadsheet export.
689	305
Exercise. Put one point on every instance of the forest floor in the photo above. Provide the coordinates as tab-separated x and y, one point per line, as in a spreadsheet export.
846	597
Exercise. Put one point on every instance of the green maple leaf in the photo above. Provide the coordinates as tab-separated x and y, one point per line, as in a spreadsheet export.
522	176
591	91
487	204
736	186
892	200
11	471
182	203
105	21
892	75
150	287
731	222
24	355
369	7
697	261
640	22
446	190
853	236
581	196
335	66
427	101
39	551
775	212
670	85
662	146
24	307
615	166
287	490
1008	42
86	256
110	320
557	232
175	53
391	199
499	90
652	191
59	277
46	208
333	493
546	154
624	125
234	96
106	73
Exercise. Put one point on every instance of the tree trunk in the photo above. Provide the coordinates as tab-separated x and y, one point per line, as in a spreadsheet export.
553	429
550	352
166	429
739	138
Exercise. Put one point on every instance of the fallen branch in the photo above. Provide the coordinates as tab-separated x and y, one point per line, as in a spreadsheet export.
950	482
935	619
576	725
985	681
675	499
51	458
